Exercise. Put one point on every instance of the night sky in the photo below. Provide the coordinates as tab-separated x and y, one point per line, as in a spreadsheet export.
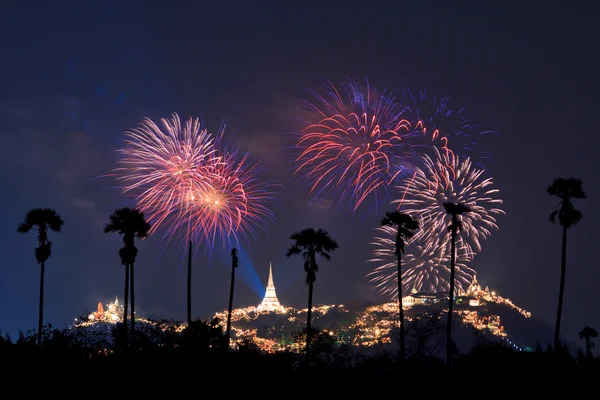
75	77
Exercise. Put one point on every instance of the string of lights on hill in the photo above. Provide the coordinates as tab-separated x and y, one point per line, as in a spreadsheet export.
273	327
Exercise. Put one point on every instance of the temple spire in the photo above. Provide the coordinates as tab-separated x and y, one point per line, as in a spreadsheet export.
270	301
270	282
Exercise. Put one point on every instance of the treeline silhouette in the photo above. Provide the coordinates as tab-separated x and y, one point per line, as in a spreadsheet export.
160	353
151	347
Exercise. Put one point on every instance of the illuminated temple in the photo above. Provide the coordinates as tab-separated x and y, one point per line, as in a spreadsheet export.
270	303
112	314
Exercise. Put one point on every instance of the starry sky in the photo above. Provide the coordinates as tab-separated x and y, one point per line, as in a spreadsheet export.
76	75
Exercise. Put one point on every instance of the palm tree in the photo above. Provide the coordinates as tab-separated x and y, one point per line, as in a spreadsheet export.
234	265
131	224
565	190
310	243
405	226
587	334
454	209
41	219
189	284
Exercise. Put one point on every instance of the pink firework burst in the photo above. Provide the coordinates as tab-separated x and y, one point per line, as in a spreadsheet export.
352	149
163	166
235	202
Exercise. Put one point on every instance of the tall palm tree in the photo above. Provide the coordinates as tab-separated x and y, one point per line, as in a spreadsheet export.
587	334
566	190
234	265
311	243
189	284
41	219
130	224
454	209
405	227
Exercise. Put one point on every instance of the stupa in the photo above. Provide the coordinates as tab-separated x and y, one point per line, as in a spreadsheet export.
270	303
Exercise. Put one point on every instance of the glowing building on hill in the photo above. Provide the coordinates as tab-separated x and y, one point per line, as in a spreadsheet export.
477	294
112	314
270	303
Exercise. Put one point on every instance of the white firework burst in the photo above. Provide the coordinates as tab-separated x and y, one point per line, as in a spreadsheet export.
447	178
443	178
422	270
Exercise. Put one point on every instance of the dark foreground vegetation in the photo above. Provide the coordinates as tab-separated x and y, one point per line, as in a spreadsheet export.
162	359
199	359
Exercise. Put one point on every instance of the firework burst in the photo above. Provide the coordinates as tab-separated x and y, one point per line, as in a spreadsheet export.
422	270
235	202
164	166
350	151
449	179
187	182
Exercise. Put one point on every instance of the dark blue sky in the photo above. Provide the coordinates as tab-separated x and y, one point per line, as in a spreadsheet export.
74	77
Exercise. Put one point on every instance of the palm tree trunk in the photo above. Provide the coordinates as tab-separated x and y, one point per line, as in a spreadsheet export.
308	319
588	348
400	309
41	309
449	344
189	285
132	305
561	290
126	298
229	310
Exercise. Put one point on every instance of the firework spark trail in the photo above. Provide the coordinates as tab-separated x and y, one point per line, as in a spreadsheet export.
235	203
353	151
427	271
450	179
164	166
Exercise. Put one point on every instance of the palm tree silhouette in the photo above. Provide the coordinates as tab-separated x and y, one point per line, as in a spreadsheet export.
565	190
405	226
587	334
189	284
310	243
454	209
234	265
130	224
41	219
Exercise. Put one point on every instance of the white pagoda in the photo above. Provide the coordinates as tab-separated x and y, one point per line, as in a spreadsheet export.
270	303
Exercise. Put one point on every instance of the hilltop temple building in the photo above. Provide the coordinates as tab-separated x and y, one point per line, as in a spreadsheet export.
476	294
270	303
112	314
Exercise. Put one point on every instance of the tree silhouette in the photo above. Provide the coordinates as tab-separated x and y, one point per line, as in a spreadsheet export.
234	265
41	219
455	210
130	224
311	243
204	336
587	334
405	226
189	284
565	190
